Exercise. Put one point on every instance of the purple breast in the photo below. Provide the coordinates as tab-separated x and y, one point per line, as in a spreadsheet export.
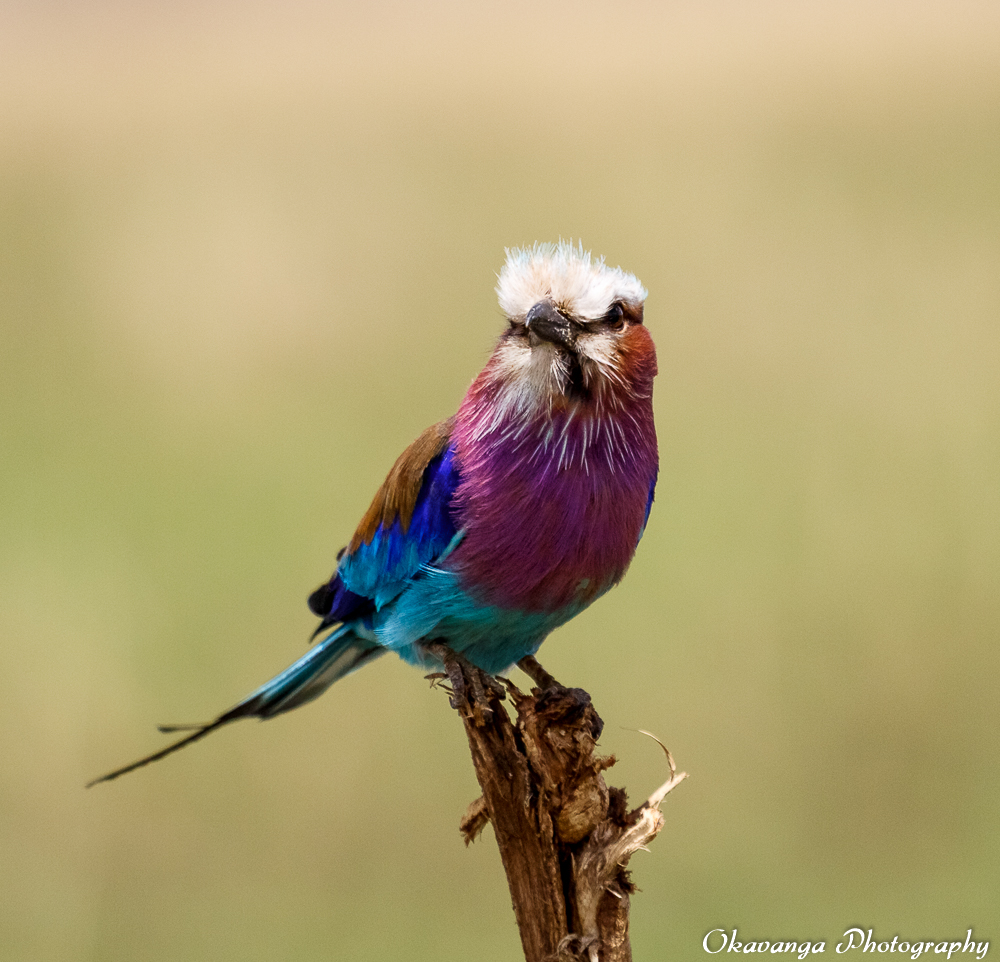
554	511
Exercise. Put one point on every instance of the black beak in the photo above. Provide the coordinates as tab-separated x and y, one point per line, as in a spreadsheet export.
547	323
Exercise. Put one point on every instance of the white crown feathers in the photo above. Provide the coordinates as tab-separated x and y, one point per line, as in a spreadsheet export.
565	273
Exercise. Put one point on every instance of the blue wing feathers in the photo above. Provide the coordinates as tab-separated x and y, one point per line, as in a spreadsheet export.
649	506
381	569
334	603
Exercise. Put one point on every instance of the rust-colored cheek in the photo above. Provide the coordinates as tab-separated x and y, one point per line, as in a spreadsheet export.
638	353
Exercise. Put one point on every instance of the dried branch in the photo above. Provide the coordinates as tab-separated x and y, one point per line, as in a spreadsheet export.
565	838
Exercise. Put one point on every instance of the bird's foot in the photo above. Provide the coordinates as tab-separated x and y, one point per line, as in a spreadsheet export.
469	684
435	678
494	686
530	666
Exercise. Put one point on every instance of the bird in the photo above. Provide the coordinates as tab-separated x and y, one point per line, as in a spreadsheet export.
506	520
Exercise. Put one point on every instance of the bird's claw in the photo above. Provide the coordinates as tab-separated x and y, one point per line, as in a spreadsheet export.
495	686
469	684
530	666
468	696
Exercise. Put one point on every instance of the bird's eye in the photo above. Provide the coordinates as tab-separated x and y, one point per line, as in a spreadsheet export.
615	318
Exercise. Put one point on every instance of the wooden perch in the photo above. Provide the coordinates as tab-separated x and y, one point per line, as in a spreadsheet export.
565	838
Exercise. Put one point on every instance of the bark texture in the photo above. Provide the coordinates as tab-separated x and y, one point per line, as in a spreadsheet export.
565	838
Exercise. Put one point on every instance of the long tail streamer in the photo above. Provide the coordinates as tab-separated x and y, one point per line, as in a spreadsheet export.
335	656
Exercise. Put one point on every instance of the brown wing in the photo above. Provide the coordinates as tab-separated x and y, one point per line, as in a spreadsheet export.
397	497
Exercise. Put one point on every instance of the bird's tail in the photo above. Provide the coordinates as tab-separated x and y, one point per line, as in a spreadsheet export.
335	656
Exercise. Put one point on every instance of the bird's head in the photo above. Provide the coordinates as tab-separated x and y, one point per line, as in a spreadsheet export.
575	331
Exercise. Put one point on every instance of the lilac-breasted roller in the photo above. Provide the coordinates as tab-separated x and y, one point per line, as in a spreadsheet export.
506	520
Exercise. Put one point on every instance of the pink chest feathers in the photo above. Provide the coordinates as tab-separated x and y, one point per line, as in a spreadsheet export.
546	529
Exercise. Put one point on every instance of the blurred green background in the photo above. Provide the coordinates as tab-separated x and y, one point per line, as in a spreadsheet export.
247	253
